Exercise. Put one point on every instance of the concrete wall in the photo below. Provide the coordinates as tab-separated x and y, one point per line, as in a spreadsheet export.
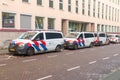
6	37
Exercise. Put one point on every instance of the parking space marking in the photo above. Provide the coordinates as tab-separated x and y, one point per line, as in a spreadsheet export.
29	60
115	54
106	58
73	68
46	77
92	62
2	65
52	56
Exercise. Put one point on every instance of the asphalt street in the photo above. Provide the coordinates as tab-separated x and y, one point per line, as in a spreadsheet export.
83	64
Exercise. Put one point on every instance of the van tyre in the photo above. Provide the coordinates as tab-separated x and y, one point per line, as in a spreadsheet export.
75	46
59	48
91	44
30	51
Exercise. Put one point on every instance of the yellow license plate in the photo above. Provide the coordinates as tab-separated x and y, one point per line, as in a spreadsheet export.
12	49
65	45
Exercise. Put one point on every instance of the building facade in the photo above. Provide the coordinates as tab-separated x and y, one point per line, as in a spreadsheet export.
63	15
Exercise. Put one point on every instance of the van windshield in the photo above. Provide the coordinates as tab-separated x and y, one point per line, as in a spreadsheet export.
72	35
27	35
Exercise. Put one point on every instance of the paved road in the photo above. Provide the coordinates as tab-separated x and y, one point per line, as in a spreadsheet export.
83	64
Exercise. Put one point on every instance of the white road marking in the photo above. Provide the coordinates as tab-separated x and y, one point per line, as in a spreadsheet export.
70	69
92	62
106	58
92	49
115	54
46	77
69	53
29	60
52	56
2	65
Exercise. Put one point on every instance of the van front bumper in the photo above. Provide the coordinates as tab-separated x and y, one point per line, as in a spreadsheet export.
69	45
17	50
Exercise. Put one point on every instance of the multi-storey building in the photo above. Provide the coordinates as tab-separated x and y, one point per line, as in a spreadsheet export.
64	15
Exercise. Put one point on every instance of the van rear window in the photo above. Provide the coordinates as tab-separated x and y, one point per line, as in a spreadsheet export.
102	35
53	35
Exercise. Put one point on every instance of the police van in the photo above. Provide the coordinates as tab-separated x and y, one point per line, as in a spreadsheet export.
32	42
75	40
101	38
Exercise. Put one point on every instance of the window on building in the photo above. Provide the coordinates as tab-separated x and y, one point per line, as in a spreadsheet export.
25	21
102	28
105	28
61	4
83	27
74	26
98	9
89	2
39	22
102	10
69	5
8	20
110	28
109	12
51	23
118	15
76	6
25	0
51	3
94	6
118	29
106	13
39	2
98	27
83	7
113	14
118	2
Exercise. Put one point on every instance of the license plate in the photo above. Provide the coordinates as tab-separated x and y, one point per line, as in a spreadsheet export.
12	49
65	45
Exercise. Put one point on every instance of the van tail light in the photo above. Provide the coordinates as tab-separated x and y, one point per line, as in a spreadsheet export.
96	40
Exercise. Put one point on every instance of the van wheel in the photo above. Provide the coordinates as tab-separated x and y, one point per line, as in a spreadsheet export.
75	46
30	51
91	45
59	48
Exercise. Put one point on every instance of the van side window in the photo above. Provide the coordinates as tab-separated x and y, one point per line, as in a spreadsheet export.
81	36
53	35
88	35
39	37
95	34
102	35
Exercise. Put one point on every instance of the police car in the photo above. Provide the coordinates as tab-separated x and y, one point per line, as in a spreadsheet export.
32	42
75	40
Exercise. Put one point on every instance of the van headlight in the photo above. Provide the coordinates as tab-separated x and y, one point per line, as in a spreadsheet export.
21	45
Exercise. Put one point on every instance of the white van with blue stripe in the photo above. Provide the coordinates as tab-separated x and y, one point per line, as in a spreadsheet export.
36	42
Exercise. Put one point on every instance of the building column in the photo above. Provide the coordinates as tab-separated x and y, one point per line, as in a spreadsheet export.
45	23
94	27
88	27
65	27
33	22
17	21
0	19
